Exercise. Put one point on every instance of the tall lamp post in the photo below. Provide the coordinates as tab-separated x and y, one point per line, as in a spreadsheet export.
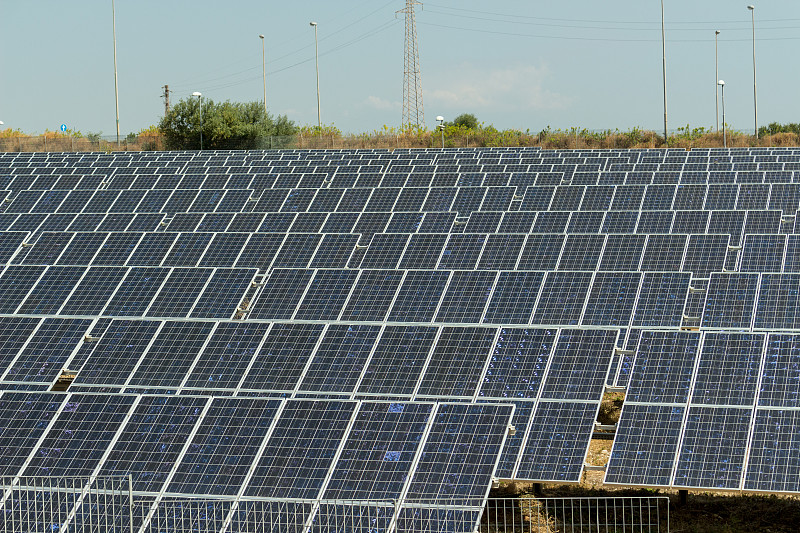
116	90
664	69
264	67
716	74
200	99
441	127
755	98
316	55
721	83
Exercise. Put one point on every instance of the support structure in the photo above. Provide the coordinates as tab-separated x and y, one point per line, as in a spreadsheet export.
166	100
413	112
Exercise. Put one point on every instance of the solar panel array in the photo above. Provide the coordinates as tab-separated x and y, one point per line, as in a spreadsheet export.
395	312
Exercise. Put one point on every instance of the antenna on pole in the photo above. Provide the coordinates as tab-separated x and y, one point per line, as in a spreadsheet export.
413	112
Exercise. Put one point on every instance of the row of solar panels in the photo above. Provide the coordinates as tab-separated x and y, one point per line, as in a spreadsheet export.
495	153
711	410
619	299
449	363
258	447
464	200
699	254
336	178
733	223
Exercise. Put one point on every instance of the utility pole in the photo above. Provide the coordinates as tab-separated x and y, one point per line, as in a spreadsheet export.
165	96
413	111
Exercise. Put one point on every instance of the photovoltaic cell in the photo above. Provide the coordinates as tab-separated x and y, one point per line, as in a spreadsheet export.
562	298
151	441
136	291
662	299
372	295
557	442
326	295
580	364
514	298
225	445
397	362
663	367
466	296
730	301
517	364
728	371
94	290
227	355
23	420
338	362
179	292
224	294
281	294
611	299
645	445
283	357
169	357
419	296
80	436
117	352
713	448
300	451
774	464
460	454
781	373
457	362
378	454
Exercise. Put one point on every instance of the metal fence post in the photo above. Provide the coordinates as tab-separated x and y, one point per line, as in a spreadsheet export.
130	501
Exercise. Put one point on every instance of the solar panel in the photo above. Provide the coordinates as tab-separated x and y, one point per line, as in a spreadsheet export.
586	353
419	296
645	445
283	356
326	295
557	441
153	439
397	361
225	444
457	362
460	454
517	365
80	435
562	298
514	298
91	294
730	301
117	353
170	355
134	294
372	295
379	452
338	361
466	296
611	299
581	252
180	291
300	450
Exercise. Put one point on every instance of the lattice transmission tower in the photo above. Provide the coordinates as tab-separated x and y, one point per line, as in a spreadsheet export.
413	112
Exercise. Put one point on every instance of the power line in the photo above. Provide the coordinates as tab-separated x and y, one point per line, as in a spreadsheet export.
602	39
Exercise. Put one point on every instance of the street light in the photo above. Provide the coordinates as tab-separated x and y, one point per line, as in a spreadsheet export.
755	99
116	90
316	54
264	66
664	69
721	83
441	127
716	74
200	99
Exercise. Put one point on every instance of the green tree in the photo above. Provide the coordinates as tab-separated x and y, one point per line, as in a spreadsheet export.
466	120
226	126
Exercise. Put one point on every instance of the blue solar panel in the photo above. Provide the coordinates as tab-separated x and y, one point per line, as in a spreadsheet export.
460	454
557	442
730	301
645	445
713	448
517	365
584	353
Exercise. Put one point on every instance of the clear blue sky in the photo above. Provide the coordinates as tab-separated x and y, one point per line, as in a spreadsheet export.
515	64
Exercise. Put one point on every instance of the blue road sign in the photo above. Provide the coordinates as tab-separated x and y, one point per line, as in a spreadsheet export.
63	127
